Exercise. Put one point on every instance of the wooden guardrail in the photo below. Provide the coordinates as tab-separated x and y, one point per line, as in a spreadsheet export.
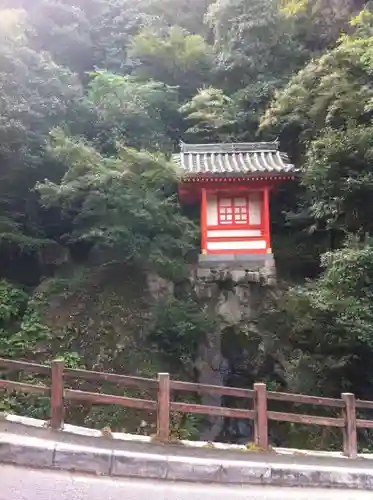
260	399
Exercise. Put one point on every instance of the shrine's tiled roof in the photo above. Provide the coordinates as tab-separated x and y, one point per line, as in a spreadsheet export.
247	159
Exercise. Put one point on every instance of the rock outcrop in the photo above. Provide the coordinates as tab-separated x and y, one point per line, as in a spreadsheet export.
235	349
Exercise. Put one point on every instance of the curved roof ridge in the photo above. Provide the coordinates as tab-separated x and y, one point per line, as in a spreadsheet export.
230	159
229	147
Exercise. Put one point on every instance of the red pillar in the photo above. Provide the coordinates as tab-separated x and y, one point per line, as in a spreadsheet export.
203	221
266	222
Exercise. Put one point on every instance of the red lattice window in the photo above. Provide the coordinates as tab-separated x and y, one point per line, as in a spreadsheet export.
233	211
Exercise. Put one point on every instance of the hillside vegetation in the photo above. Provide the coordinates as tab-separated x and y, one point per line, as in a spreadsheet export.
95	96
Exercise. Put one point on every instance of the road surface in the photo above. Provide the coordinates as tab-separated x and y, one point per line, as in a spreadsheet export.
26	484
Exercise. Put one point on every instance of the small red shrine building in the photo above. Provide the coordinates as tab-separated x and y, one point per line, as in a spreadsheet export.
232	183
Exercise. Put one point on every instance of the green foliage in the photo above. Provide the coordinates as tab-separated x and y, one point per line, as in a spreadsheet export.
71	360
322	117
31	336
339	178
325	326
184	427
253	39
294	6
82	35
249	103
12	302
173	57
141	115
188	14
36	94
98	193
179	325
319	23
207	115
344	291
332	91
21	328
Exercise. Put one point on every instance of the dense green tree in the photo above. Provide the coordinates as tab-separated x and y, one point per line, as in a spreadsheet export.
189	14
249	104
252	39
124	202
332	90
323	116
339	179
174	57
319	23
36	94
85	34
326	325
140	114
82	34
207	115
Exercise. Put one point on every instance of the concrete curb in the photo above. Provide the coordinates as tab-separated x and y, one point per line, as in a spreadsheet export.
35	452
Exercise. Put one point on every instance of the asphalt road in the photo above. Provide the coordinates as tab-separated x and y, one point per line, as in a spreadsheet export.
26	484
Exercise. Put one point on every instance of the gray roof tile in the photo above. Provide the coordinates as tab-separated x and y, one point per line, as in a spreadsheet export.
233	158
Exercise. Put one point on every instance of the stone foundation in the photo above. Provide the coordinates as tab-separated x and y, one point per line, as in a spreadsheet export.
241	268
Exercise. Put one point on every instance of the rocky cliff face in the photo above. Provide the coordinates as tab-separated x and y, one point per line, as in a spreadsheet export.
235	352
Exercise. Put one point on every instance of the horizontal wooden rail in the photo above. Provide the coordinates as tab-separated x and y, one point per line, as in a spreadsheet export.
123	380
212	389
13	365
364	405
213	410
364	424
163	388
302	399
110	399
11	386
296	418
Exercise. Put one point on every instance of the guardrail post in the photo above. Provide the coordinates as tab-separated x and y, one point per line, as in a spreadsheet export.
57	402
261	419
163	420
349	431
